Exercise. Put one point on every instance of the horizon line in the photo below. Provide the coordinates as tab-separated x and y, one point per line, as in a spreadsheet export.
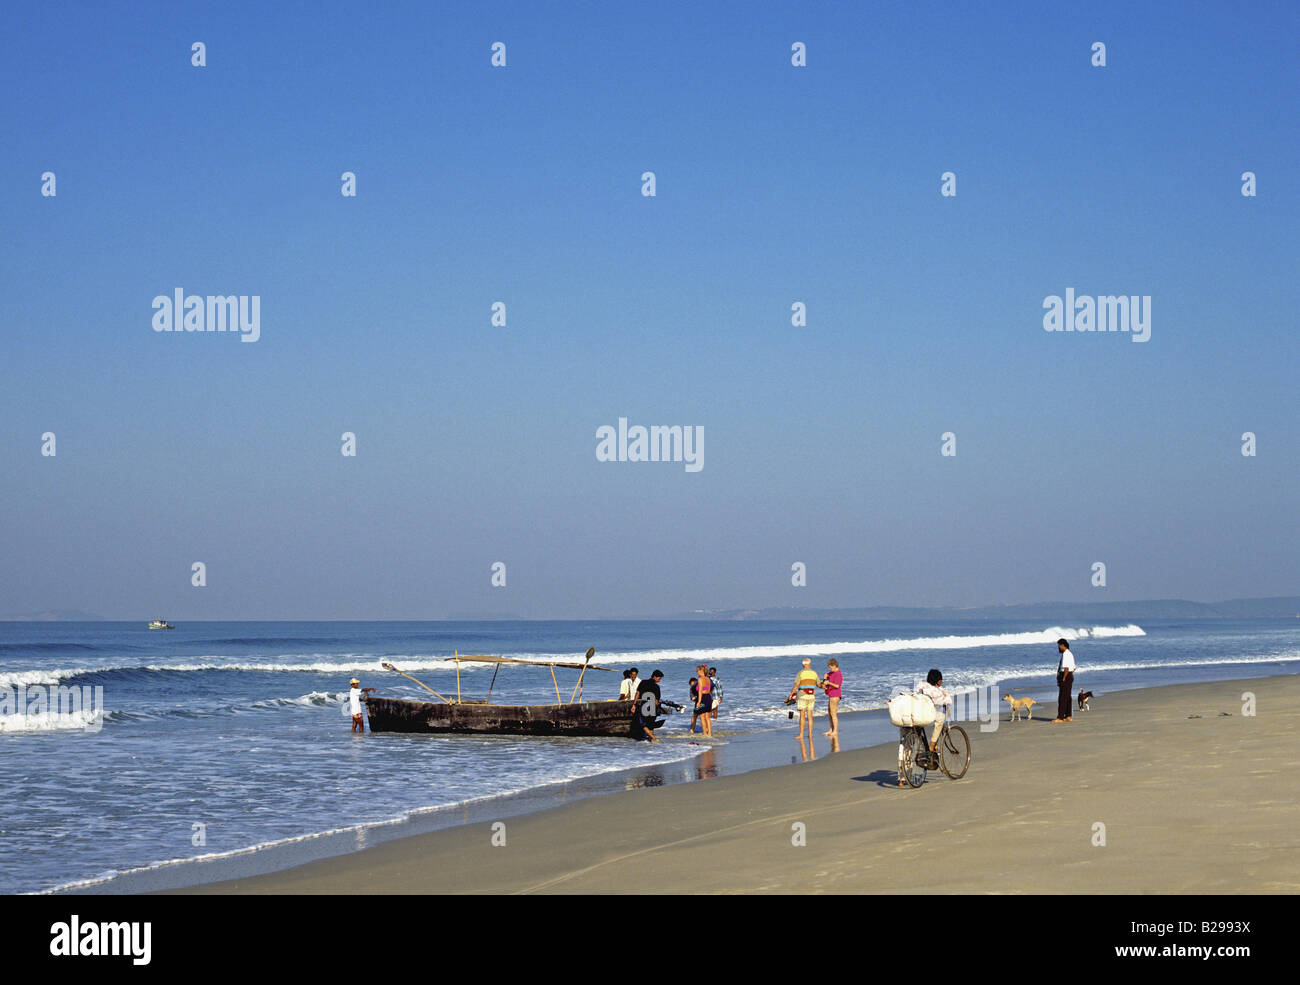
693	614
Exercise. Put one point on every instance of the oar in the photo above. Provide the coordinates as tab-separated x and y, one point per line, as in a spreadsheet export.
388	666
591	652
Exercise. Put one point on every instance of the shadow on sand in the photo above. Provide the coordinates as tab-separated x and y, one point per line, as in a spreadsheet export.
881	778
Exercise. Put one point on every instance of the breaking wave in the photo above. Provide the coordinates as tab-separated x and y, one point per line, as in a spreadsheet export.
83	720
718	654
371	663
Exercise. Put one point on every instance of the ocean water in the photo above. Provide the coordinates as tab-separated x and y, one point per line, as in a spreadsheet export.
214	738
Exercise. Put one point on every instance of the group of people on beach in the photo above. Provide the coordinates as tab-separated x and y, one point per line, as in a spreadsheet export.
706	700
803	695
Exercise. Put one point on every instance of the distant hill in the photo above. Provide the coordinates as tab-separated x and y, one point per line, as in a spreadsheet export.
55	615
1281	607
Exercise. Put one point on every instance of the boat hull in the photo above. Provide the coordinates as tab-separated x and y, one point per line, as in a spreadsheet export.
592	718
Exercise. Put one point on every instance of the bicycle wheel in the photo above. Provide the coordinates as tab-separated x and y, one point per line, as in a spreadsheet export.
954	752
914	756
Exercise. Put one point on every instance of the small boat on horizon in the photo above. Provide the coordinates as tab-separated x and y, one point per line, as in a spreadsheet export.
481	717
160	624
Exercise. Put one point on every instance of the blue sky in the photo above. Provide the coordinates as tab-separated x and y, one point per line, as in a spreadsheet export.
775	184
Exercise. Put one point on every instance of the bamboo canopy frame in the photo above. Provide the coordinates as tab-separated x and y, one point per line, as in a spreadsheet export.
388	666
483	658
480	658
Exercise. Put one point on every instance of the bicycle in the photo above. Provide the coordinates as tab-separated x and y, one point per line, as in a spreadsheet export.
953	754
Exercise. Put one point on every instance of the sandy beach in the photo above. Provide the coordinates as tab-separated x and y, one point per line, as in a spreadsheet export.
1195	796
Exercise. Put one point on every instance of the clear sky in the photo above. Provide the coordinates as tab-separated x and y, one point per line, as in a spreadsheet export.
522	184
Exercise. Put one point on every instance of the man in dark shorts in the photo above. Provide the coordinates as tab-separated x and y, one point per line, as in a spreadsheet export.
646	718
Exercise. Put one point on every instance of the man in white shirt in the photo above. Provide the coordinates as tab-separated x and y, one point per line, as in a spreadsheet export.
628	690
355	697
1064	683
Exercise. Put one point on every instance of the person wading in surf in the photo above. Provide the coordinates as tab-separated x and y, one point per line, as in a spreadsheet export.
833	684
704	699
804	694
355	699
646	717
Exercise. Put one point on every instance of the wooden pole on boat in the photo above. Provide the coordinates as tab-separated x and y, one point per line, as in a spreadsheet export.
457	652
388	666
577	690
558	699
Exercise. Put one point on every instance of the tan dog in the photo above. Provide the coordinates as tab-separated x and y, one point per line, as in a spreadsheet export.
1020	704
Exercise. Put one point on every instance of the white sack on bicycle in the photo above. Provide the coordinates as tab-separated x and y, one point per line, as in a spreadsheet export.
906	710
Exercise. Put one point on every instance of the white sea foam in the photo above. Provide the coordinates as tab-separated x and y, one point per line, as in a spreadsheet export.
52	675
1101	632
719	654
372	664
369	665
317	699
1291	657
660	754
85	719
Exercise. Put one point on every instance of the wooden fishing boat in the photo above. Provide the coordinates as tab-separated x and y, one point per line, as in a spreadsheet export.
580	718
481	717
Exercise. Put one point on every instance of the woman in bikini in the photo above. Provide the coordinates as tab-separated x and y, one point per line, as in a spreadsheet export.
704	699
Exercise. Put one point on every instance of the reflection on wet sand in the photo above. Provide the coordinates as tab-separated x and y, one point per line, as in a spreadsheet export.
808	749
706	766
650	778
703	767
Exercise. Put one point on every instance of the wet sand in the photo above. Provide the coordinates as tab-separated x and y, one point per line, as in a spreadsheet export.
1189	793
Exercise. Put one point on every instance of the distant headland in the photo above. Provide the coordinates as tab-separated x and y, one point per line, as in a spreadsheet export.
1279	607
